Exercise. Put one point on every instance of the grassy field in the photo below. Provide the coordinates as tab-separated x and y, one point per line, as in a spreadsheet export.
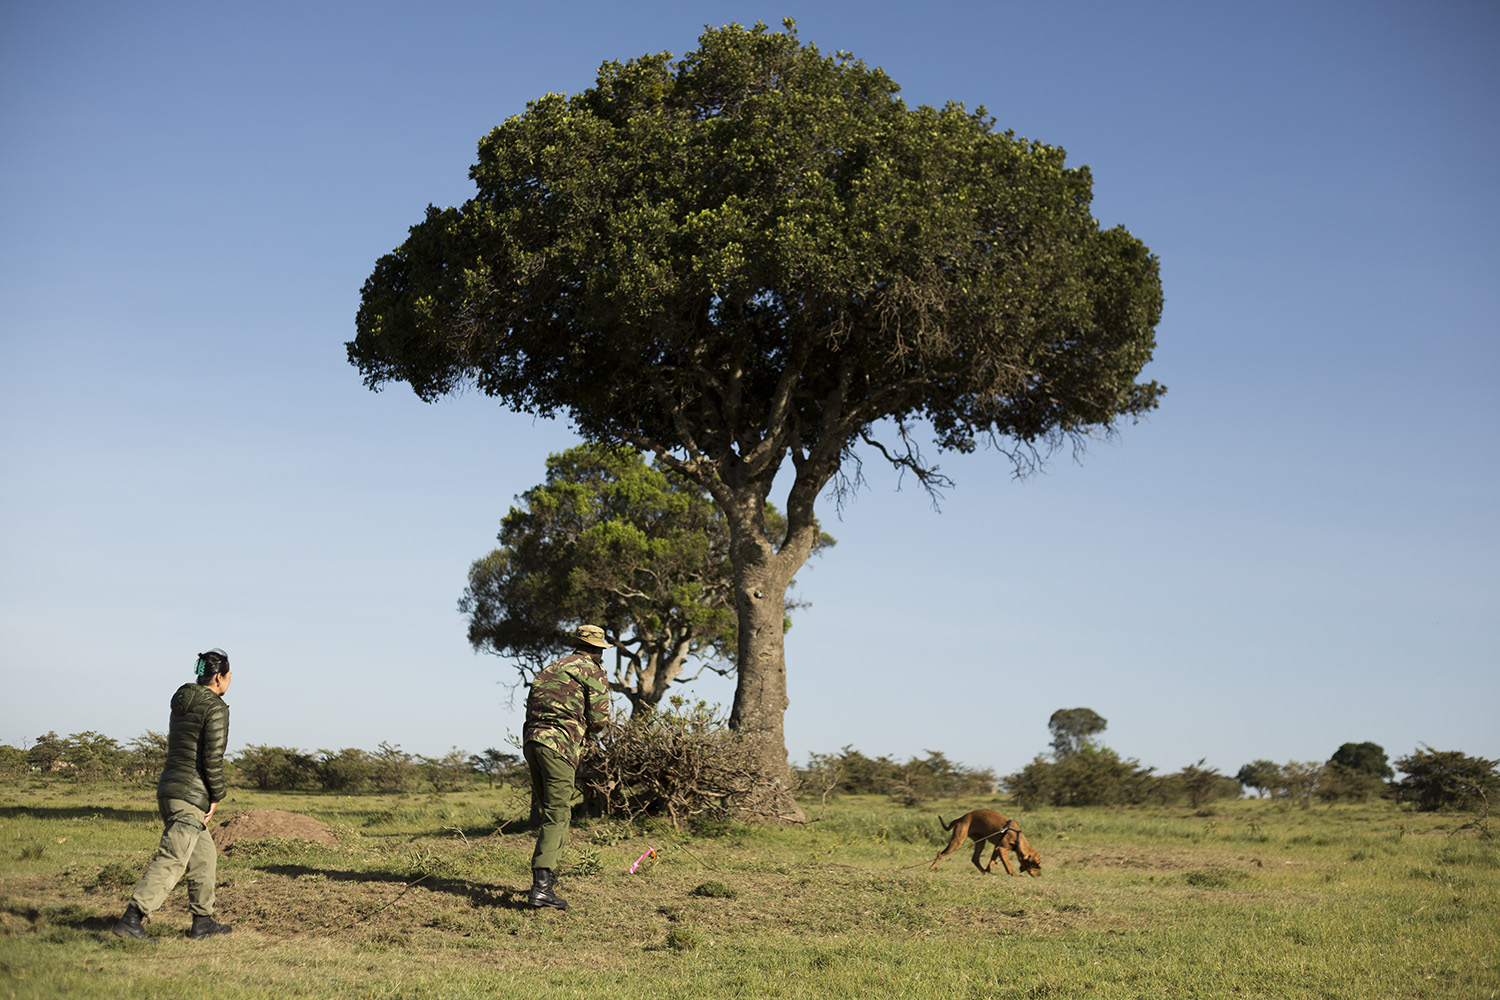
424	897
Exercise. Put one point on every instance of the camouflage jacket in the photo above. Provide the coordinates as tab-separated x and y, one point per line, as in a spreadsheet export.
569	699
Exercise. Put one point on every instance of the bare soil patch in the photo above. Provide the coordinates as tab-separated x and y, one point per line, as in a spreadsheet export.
268	824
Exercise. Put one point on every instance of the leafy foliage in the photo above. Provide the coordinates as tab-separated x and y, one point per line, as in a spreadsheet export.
351	770
89	757
912	783
1448	779
268	767
1084	772
493	763
1363	758
1197	784
1093	776
1260	775
1074	729
608	539
757	253
13	762
346	770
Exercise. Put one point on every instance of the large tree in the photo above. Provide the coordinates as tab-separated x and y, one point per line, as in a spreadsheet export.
758	253
608	539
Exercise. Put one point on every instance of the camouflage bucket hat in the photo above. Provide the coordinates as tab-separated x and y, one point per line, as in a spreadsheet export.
593	635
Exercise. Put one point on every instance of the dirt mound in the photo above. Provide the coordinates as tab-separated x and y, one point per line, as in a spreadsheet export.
264	824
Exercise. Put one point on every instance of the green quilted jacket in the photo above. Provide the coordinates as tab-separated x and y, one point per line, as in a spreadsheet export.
195	747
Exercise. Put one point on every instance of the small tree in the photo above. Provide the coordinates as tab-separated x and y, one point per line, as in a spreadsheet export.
1073	730
1448	779
447	773
14	764
1093	776
148	755
48	752
275	768
1202	785
1034	785
495	764
1297	781
636	548
346	770
93	757
1366	759
392	769
861	775
1261	775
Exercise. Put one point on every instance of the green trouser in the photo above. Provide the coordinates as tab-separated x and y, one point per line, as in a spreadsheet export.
552	795
186	849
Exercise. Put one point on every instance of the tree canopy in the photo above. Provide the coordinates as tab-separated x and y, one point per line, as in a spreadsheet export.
608	539
1073	730
1366	759
1448	779
757	253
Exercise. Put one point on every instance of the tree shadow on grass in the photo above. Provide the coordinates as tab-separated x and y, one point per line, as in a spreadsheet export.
73	916
505	896
109	813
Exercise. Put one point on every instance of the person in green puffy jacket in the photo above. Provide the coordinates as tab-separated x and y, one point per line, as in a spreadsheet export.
189	791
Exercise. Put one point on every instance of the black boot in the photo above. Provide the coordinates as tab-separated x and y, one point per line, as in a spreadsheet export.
204	925
130	924
542	881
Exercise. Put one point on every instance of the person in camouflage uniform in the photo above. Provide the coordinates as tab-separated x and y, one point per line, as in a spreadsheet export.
569	699
188	793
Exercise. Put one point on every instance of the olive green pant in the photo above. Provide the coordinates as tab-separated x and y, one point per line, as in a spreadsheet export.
186	851
552	797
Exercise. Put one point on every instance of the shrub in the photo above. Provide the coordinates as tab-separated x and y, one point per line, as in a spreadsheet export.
275	768
447	773
1196	784
13	763
714	890
346	770
1447	779
679	762
919	779
392	769
1094	776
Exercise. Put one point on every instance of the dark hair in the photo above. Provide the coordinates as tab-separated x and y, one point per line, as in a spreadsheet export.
210	665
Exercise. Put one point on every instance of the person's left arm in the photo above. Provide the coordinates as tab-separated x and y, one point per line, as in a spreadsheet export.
214	739
596	697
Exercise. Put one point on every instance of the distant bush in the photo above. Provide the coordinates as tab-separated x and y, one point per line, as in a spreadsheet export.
507	768
344	771
912	783
276	768
1447	779
13	763
1196	785
86	758
1093	776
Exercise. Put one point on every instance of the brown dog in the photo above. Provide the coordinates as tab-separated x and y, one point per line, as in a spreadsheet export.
986	826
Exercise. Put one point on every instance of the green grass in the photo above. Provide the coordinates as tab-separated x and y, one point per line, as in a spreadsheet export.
423	897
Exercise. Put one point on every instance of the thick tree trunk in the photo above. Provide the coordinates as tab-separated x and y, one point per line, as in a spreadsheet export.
760	698
762	573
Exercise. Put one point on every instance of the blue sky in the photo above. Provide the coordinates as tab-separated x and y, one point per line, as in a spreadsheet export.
1299	549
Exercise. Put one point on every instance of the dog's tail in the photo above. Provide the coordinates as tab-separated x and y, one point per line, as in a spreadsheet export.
946	826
